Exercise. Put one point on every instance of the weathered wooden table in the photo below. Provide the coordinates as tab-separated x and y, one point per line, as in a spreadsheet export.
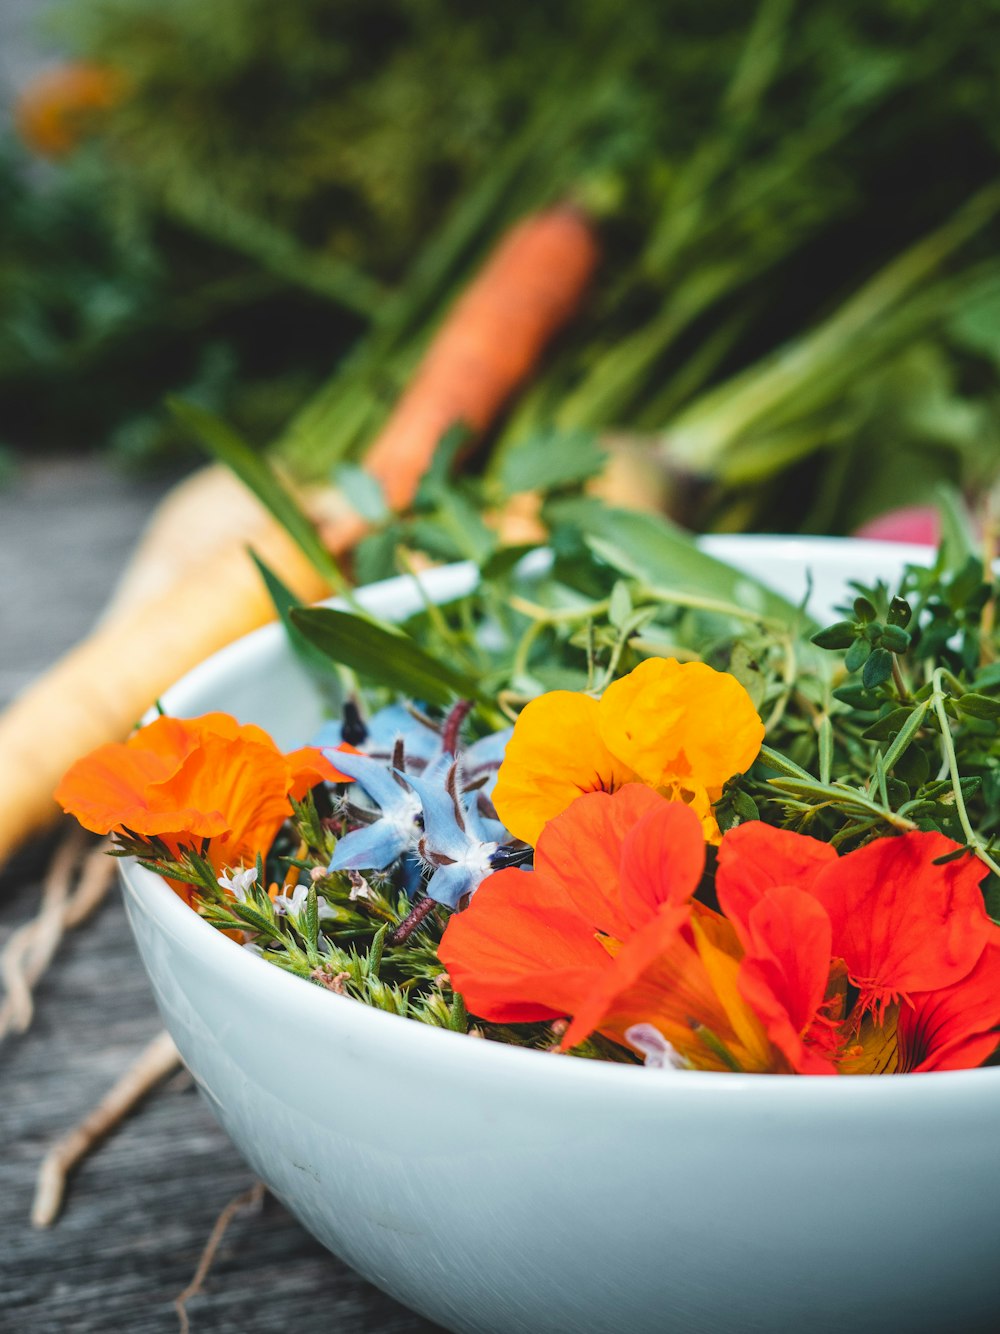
139	1212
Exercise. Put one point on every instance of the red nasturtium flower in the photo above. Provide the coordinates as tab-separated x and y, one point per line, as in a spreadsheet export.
683	729
877	961
186	780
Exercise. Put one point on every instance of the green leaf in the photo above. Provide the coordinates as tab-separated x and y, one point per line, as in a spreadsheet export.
900	613
744	805
958	542
825	736
435	479
661	555
906	733
458	1015
839	635
310	922
548	460
744	664
857	655
461	521
385	656
254	919
966	582
877	669
375	950
781	764
864	610
978	706
229	447
888	725
620	608
503	561
913	767
895	639
363	491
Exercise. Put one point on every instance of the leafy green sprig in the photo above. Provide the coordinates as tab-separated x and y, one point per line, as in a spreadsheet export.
912	729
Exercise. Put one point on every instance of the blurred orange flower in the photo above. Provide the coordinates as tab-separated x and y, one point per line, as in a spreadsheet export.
60	105
683	729
186	780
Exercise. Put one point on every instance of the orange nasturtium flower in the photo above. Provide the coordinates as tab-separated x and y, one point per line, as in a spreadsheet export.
879	961
683	729
186	780
60	105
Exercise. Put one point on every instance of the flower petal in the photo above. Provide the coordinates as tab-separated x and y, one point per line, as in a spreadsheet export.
658	977
662	858
380	782
554	755
786	969
901	923
957	1027
580	851
669	720
754	857
520	951
310	767
373	847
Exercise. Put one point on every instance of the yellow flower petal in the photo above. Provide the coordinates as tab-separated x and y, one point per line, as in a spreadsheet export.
668	720
716	943
554	755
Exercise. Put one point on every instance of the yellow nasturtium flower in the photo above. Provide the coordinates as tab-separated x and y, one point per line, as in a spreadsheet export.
681	728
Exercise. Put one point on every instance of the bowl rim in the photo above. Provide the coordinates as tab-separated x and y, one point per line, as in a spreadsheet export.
295	998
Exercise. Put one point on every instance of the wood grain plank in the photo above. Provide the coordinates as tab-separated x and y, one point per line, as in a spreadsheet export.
138	1212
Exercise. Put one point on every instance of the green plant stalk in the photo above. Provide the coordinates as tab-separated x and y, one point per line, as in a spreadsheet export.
802	421
948	749
698	438
350	407
684	209
275	250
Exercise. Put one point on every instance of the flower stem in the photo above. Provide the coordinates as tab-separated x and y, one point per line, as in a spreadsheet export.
948	747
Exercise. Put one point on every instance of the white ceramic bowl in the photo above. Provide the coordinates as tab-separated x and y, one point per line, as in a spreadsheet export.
496	1189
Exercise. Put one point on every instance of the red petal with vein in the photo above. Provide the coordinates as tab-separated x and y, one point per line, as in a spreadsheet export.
662	861
954	1028
580	851
521	950
657	978
900	923
754	857
786	969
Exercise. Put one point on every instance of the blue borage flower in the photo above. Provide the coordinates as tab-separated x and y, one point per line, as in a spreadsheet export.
440	815
379	735
375	846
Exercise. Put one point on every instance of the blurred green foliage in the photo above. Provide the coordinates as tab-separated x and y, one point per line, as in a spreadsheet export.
284	180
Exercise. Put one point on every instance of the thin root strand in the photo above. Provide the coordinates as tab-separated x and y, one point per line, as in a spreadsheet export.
156	1061
249	1199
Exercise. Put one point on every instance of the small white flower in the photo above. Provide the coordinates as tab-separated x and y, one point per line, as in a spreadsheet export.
295	904
239	882
292	903
657	1052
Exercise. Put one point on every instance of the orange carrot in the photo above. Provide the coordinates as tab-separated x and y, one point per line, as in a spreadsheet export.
103	686
489	342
